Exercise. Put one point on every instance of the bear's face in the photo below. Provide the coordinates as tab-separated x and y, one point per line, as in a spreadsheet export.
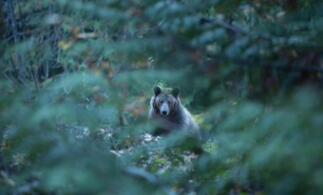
165	102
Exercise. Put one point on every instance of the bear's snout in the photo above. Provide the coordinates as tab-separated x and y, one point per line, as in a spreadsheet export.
164	109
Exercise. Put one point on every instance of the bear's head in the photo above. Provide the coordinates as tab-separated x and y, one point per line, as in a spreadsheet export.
165	101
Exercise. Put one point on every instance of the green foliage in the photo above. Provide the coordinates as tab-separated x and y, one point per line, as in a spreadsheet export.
77	76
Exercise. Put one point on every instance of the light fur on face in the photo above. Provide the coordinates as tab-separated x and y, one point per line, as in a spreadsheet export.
164	104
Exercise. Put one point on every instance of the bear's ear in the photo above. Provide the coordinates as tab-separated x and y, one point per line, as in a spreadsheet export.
175	92
157	90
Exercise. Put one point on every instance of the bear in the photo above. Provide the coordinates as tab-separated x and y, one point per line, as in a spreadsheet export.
169	114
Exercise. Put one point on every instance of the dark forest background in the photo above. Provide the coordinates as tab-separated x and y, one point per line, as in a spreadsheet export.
76	77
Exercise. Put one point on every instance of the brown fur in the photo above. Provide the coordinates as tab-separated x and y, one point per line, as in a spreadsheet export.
168	113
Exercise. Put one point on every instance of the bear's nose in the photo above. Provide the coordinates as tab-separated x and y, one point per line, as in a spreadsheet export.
164	112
